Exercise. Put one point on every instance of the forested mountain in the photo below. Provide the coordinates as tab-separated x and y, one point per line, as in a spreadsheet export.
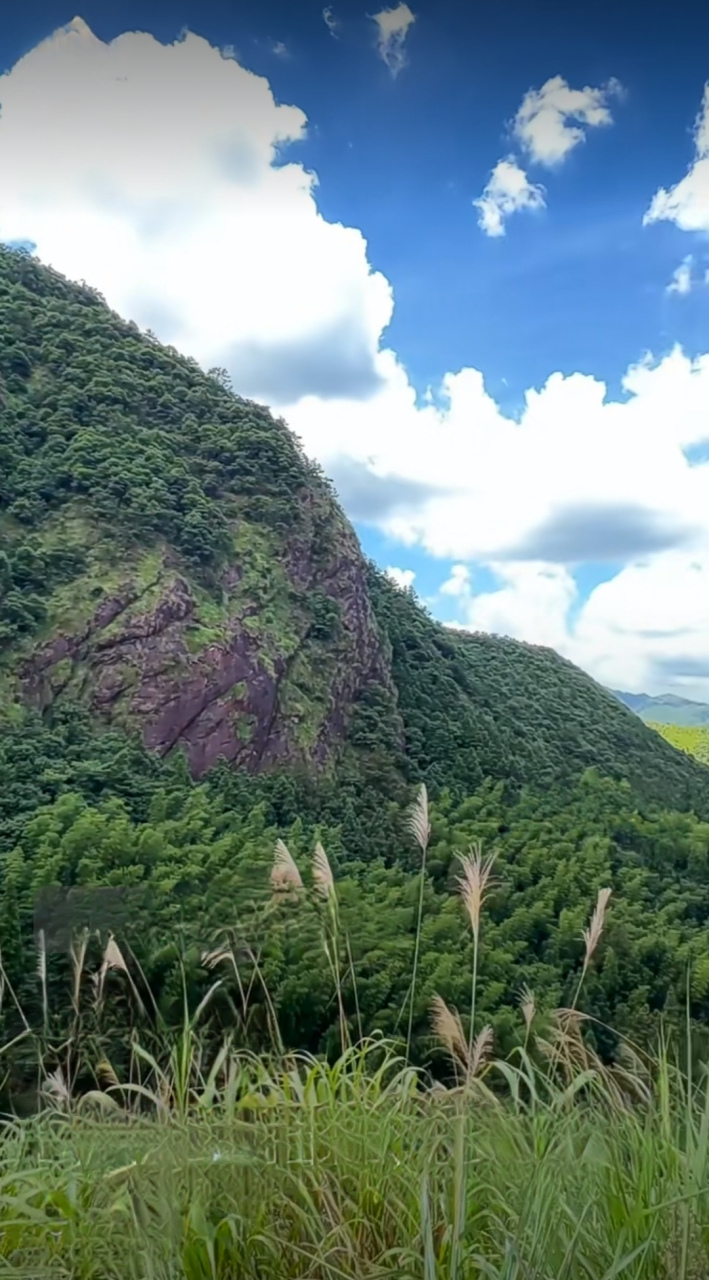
173	561
195	658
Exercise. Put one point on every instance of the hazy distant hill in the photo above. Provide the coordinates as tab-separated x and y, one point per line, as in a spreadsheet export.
665	708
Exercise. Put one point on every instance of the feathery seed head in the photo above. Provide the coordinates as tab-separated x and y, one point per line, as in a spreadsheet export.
475	881
482	1048
286	879
447	1027
323	879
113	957
528	1007
417	822
592	935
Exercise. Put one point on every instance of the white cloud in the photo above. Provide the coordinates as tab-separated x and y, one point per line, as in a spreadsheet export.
543	126
687	203
330	21
531	604
393	27
508	191
459	583
156	173
549	123
578	477
681	281
280	49
403	578
468	483
644	630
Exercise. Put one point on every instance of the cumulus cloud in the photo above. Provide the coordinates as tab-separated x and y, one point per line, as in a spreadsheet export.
403	578
508	191
550	122
576	471
577	477
645	629
687	203
532	603
157	172
548	125
161	175
393	28
681	281
459	583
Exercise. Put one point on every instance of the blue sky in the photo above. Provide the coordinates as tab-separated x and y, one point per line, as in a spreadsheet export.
562	517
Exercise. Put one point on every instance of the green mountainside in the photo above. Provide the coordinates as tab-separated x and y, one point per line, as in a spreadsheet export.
195	658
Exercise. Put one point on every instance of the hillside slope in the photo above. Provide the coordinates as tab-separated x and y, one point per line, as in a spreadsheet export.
171	560
694	739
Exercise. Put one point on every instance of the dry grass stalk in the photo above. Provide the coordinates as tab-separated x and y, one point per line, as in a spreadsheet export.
528	1008
592	935
286	879
417	822
78	959
447	1027
418	826
210	959
324	886
113	961
42	974
55	1086
482	1048
474	883
323	879
106	1075
113	956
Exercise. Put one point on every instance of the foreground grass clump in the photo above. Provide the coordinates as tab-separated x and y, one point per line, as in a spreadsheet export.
358	1170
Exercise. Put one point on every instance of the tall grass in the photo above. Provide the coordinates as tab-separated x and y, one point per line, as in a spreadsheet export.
300	1168
209	1162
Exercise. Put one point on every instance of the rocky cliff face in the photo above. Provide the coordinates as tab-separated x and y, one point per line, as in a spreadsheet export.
238	688
168	555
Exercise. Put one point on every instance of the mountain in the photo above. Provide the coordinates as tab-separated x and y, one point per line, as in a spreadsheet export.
196	659
665	708
172	562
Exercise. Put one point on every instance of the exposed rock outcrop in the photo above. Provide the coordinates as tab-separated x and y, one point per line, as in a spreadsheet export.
133	659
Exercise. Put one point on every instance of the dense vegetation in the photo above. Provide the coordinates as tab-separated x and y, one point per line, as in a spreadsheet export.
694	739
109	439
295	1170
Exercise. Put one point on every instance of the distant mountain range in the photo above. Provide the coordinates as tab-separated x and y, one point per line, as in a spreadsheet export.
665	708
